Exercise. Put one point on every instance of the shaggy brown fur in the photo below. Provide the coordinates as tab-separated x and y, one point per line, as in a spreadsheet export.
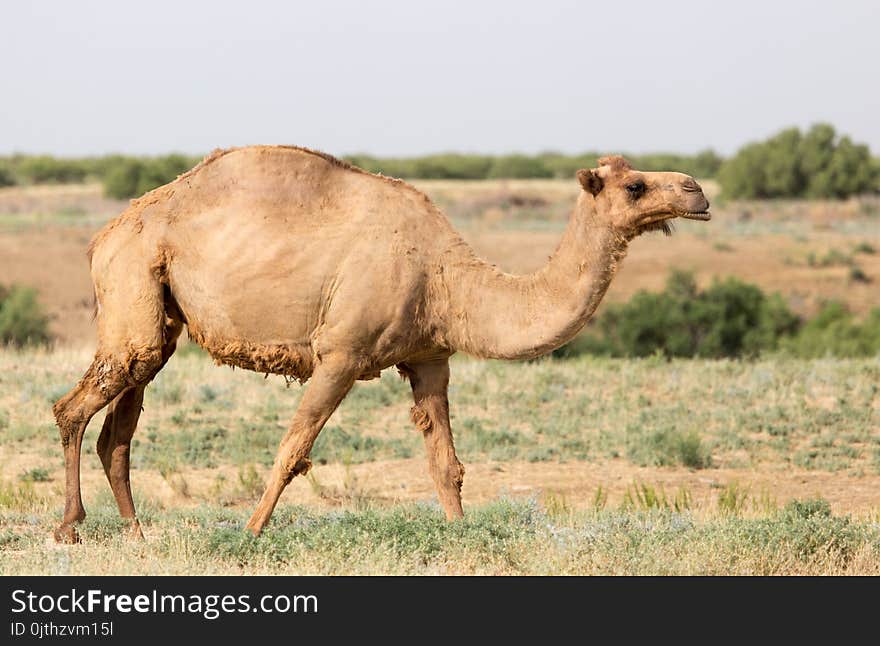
285	260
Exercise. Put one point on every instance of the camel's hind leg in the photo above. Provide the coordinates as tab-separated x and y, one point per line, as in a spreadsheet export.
430	413
329	384
114	443
131	326
102	382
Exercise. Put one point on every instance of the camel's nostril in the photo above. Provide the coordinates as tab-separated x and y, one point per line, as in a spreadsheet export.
690	186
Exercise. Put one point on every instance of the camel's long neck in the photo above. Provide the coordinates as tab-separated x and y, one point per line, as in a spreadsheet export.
497	315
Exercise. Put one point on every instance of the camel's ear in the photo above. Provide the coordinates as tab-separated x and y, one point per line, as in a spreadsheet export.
590	180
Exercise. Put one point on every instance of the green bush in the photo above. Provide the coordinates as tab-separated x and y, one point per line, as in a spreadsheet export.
131	177
7	177
122	180
729	319
816	164
518	166
44	169
833	332
22	318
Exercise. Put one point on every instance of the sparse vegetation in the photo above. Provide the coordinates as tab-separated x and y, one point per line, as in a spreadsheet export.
504	537
23	320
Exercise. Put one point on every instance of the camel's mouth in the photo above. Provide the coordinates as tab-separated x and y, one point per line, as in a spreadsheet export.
697	215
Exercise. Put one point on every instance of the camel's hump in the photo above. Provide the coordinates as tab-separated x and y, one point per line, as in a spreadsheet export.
297	151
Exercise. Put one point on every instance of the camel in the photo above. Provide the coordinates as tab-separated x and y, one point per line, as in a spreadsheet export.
285	260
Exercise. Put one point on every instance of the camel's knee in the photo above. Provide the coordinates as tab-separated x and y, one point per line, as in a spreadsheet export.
295	467
103	381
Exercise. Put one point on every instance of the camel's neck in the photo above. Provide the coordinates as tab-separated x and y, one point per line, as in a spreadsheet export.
497	315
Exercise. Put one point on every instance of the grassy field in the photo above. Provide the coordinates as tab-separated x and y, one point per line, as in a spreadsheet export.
576	466
573	466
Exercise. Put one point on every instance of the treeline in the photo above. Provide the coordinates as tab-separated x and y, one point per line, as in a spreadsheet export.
125	177
545	165
814	164
122	176
729	319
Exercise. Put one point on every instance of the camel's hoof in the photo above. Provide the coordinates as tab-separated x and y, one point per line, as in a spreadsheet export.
254	528
67	535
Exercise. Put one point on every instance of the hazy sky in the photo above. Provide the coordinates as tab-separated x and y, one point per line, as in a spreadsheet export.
406	78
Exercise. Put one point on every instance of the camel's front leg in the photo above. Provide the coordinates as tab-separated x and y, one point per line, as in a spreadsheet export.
329	384
429	383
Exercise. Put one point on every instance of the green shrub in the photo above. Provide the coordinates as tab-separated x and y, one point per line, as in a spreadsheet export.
121	181
833	332
805	509
7	178
43	169
729	319
518	166
789	164
22	319
131	177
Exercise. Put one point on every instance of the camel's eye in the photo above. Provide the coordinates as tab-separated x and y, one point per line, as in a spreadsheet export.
635	189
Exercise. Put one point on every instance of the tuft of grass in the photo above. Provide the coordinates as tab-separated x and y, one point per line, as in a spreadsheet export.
250	481
556	505
37	474
600	500
19	497
832	258
807	509
645	497
732	499
858	275
172	476
668	446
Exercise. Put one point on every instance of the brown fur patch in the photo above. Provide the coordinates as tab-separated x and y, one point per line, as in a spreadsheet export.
420	418
159	268
616	162
269	359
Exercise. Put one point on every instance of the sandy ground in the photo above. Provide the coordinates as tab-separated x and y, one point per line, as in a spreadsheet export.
575	484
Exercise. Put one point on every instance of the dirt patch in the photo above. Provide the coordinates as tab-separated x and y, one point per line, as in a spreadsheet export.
391	482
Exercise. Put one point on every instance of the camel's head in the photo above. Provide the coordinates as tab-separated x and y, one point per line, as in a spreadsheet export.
636	202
